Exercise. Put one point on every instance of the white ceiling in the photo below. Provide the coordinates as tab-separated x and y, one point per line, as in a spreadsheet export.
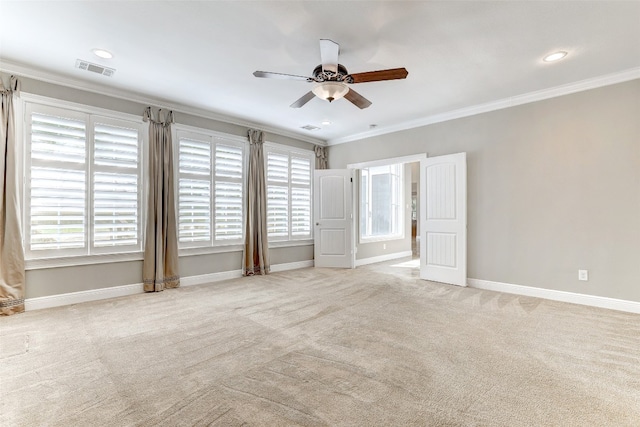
199	56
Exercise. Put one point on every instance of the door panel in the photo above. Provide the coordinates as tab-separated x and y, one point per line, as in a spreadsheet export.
443	244
333	216
332	196
333	241
441	249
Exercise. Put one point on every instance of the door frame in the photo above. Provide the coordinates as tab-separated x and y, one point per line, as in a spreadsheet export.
412	158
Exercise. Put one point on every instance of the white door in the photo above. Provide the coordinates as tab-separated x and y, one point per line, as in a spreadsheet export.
333	218
443	211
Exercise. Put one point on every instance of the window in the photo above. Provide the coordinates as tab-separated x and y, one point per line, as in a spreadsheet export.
83	183
380	202
210	190
289	175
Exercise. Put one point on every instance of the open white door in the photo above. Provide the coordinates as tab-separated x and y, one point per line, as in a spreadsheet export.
443	211
333	217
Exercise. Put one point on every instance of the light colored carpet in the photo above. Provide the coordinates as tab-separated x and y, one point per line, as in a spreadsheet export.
373	346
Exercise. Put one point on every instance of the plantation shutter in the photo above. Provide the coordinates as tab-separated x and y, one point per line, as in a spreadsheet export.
277	195
57	196
194	191
210	190
288	194
115	186
83	190
57	217
228	192
300	197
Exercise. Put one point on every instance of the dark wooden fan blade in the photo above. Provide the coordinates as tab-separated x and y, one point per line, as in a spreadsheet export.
356	99
305	98
270	75
376	76
329	51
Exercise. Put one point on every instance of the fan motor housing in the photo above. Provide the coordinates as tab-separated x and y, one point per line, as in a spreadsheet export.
322	76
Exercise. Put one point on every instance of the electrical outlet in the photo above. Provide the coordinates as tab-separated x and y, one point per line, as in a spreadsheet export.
583	275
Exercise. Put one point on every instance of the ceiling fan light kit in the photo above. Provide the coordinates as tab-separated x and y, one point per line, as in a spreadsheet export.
332	78
330	90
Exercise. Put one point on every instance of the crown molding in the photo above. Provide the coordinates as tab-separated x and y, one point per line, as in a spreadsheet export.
48	77
579	86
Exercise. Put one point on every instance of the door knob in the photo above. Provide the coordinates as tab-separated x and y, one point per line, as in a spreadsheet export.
317	223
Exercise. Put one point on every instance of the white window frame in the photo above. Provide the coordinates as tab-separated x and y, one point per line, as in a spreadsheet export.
400	188
213	138
291	152
30	103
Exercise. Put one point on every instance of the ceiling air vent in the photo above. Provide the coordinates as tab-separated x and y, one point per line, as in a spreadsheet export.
310	127
94	68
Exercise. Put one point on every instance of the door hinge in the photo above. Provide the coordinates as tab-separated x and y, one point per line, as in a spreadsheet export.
351	179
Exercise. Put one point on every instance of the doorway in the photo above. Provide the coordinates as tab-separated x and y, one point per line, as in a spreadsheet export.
387	208
434	233
415	210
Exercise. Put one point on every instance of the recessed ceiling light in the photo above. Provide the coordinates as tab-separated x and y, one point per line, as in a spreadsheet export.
555	56
326	122
101	53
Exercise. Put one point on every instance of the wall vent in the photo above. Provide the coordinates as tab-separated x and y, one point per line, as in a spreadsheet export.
94	68
310	127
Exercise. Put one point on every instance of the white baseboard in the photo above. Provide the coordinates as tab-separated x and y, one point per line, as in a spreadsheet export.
291	266
381	258
582	299
119	291
82	296
138	288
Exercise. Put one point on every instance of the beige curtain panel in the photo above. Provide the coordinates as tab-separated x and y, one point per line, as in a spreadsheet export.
256	248
321	157
11	250
160	265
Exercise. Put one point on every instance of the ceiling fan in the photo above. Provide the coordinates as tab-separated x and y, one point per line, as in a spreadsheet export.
332	78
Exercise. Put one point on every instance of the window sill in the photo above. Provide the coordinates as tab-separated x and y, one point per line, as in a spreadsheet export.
380	239
72	261
185	252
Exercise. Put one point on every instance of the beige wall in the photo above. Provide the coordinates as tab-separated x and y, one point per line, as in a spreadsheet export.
553	187
60	280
